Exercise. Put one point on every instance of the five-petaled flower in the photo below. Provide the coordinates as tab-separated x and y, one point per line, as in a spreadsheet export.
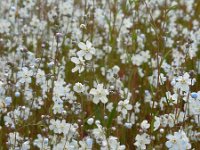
86	50
99	94
80	64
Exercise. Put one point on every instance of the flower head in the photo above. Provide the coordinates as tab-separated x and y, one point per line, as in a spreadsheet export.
99	94
86	50
80	64
178	141
142	141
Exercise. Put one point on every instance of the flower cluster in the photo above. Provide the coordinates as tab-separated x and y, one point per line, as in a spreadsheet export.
99	74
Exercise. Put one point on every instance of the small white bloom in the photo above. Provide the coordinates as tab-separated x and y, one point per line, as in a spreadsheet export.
145	125
40	76
178	141
86	50
142	141
124	106
172	98
109	107
80	64
183	82
24	75
99	94
79	88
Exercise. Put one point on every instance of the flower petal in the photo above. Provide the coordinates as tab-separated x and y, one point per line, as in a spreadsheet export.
82	46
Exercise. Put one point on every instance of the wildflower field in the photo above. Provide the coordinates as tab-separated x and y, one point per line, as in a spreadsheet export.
99	74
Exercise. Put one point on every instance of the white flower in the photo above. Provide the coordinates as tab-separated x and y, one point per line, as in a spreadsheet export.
14	138
142	141
40	76
170	120
54	125
124	106
26	145
156	123
99	94
164	120
172	98
80	64
41	142
86	50
145	125
178	141
183	82
66	145
86	144
89	142
139	59
128	125
57	108
133	118
194	107
162	79
109	107
79	88
99	133
112	144
62	127
137	107
25	75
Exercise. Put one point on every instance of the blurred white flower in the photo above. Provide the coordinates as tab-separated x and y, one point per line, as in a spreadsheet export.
25	75
112	144
142	141
172	98
99	94
80	64
57	108
145	125
40	77
178	141
124	106
41	142
109	107
79	88
86	50
183	82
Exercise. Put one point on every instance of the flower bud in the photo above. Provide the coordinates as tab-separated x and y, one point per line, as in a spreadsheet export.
194	95
90	121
